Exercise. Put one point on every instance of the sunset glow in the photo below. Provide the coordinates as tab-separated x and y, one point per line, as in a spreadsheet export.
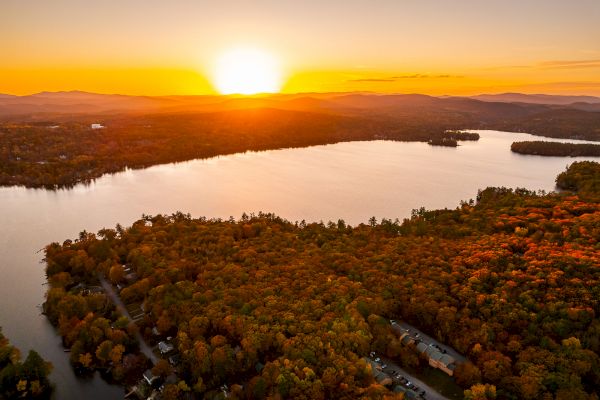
431	47
247	71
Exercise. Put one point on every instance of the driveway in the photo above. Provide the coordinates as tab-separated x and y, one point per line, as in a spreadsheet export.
110	292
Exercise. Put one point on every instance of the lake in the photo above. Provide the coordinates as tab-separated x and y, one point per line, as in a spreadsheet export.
352	181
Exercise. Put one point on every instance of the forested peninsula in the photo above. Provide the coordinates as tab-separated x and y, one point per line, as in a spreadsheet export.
556	149
265	308
23	379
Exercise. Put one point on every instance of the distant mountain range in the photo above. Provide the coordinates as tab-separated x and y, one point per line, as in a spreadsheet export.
76	102
415	115
537	98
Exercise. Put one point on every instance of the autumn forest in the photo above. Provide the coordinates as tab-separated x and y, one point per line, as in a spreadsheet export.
278	309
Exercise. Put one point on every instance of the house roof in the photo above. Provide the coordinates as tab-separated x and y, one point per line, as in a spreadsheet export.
421	347
447	360
165	347
408	394
149	376
430	351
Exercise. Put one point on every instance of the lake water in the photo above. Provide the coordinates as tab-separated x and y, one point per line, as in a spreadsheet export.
352	181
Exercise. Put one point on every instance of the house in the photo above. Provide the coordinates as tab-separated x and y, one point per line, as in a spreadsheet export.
149	377
174	360
380	377
165	347
406	339
408	394
446	363
259	366
131	277
421	347
90	290
97	126
437	359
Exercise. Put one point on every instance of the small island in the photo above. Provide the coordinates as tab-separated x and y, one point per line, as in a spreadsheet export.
556	149
450	138
461	135
447	142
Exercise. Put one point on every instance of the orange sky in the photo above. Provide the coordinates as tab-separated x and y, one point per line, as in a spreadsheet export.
436	47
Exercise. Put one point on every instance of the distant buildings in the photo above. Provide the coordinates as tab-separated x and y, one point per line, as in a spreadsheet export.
97	126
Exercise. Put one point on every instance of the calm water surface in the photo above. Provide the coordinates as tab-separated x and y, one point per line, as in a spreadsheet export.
352	181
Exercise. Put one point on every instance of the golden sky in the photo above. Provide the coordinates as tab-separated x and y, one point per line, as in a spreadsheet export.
435	47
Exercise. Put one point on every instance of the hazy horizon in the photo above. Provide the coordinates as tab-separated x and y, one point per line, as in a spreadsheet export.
306	93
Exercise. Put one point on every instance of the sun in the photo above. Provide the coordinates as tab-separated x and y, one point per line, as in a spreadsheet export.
247	70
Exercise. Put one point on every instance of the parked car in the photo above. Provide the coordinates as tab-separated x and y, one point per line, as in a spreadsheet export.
378	360
384	366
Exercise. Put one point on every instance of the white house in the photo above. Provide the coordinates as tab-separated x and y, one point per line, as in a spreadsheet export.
97	126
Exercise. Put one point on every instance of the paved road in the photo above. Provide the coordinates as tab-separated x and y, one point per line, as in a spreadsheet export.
400	327
430	393
110	292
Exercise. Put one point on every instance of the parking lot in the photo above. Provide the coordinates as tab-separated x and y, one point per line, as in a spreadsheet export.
401	377
401	327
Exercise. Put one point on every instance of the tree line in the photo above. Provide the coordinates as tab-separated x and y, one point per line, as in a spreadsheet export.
556	149
23	379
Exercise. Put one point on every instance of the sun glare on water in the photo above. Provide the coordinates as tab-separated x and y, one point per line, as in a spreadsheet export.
247	71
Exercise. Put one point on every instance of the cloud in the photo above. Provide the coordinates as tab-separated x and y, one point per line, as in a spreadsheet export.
401	77
570	64
372	80
425	76
552	64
